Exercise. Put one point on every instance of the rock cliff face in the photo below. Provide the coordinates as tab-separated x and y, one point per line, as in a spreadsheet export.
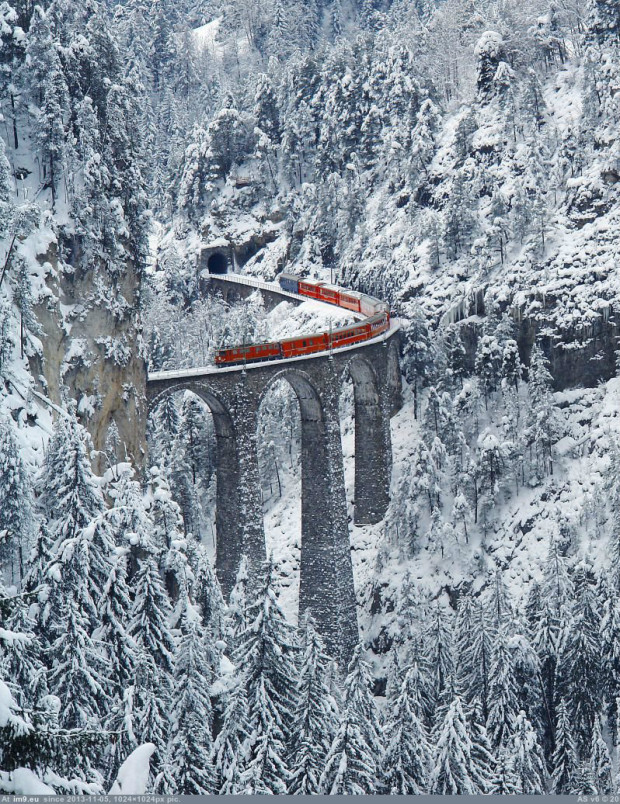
92	352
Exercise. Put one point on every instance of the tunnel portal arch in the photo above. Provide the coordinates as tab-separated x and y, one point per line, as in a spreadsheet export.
217	263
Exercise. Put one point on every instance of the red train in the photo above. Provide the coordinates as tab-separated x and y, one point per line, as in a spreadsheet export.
378	321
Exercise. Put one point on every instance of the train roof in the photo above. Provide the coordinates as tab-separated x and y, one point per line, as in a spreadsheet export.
304	337
286	275
316	282
247	346
371	320
349	327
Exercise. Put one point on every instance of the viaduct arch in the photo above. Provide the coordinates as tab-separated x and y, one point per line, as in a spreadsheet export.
234	396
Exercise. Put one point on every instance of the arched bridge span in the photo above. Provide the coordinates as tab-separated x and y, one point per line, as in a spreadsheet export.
234	397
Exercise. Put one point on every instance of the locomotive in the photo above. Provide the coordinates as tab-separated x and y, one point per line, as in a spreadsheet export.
377	321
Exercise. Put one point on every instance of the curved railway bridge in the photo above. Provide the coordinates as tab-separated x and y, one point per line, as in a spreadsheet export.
234	394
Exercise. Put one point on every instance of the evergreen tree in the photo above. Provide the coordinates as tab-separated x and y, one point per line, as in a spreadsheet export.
407	759
316	715
236	614
578	670
77	671
191	745
417	353
483	762
351	764
148	626
527	760
564	762
230	744
453	772
266	665
17	523
600	761
503	702
544	426
121	655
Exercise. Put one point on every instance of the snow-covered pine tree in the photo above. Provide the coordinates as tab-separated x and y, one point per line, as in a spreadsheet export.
417	353
351	766
266	666
149	628
452	773
406	762
483	762
73	503
17	522
189	754
474	635
526	759
230	744
610	647
578	673
439	657
236	613
206	592
544	426
565	764
316	714
600	761
503	699
22	655
122	656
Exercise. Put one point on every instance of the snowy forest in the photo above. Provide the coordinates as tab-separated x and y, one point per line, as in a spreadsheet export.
457	158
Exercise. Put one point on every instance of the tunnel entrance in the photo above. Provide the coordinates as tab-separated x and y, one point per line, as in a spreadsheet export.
217	263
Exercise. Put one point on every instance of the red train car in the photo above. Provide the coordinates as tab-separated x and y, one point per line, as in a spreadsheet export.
329	293
351	300
310	287
304	345
248	354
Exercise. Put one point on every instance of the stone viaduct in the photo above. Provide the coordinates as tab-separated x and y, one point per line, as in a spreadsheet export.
234	395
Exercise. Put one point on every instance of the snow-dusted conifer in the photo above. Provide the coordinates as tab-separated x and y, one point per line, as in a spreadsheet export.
266	665
122	655
600	761
17	525
206	592
579	667
316	715
483	762
452	772
406	762
527	760
352	762
565	764
503	701
148	626
439	655
230	743
236	614
77	669
189	755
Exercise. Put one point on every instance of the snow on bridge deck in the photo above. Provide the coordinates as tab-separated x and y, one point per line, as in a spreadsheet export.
273	287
